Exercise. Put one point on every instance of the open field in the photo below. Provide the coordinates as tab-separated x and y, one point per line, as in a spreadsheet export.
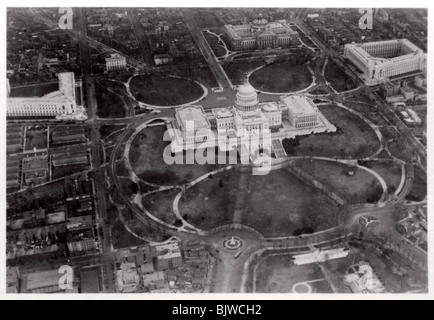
278	274
287	76
279	204
164	91
146	157
353	189
211	203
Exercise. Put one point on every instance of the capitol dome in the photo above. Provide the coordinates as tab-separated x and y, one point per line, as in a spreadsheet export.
259	24
247	98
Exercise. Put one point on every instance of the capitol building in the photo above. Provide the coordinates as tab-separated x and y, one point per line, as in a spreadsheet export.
290	117
261	34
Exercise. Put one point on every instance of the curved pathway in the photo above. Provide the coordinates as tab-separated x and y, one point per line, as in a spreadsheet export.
151	106
185	189
219	36
373	126
310	87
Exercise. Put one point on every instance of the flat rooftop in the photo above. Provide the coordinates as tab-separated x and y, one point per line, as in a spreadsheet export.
300	105
43	279
195	114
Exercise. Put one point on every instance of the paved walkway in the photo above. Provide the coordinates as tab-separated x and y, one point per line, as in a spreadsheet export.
184	190
239	206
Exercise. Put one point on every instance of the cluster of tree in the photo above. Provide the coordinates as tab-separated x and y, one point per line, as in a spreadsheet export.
290	145
375	193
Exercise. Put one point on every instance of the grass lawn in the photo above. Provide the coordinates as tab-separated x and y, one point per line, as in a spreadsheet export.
287	76
38	90
419	190
146	157
36	140
357	141
278	274
164	91
236	71
64	171
401	148
213	42
108	130
338	78
110	105
202	74
160	205
353	189
122	238
390	172
279	204
211	203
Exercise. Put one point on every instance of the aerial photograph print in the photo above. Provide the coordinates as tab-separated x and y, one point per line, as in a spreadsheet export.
216	150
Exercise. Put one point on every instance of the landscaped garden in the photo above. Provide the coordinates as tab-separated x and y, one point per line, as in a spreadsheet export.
160	205
211	203
286	76
279	204
215	45
165	91
390	172
236	71
338	78
361	187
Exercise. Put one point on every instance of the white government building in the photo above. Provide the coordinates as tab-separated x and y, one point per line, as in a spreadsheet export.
290	117
382	60
116	62
61	103
261	34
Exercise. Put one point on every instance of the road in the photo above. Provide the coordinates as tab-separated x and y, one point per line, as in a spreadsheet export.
141	38
207	52
99	181
98	175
